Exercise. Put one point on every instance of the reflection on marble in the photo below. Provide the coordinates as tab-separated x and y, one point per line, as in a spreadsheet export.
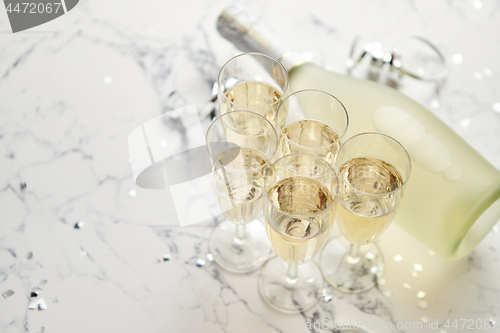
73	89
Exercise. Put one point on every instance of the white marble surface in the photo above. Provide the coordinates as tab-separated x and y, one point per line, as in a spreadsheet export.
73	89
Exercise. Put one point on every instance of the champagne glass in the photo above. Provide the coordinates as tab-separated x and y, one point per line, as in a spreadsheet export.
299	208
373	171
241	145
254	82
314	122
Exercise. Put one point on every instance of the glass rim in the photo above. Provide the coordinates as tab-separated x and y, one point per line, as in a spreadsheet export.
219	85
334	191
307	147
272	130
405	180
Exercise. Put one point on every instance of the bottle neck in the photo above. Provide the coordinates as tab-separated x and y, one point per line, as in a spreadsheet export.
247	32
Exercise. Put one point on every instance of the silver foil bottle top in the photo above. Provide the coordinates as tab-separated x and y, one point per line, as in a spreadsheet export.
234	23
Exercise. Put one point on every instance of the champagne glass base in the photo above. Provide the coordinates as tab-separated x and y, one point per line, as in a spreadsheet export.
235	255
348	275
286	297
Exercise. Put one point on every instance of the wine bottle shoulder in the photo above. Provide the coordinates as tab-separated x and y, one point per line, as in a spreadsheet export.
374	107
359	96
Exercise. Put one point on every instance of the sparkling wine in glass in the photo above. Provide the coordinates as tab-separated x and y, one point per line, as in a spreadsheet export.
299	209
241	145
254	82
373	171
314	122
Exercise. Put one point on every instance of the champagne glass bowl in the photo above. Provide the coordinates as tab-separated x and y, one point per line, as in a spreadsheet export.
253	82
312	121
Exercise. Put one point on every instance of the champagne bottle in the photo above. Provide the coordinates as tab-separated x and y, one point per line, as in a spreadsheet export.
453	196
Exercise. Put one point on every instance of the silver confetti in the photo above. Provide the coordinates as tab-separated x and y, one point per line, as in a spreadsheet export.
425	319
421	294
42	305
22	186
492	322
79	225
457	58
29	256
495	230
496	107
32	305
398	258
210	257
477	4
107	79
369	256
327	298
41	329
8	293
374	270
406	285
465	123
166	257
435	104
34	294
418	267
132	193
388	293
200	262
422	304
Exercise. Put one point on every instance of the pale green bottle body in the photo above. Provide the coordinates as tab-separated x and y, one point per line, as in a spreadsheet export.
451	185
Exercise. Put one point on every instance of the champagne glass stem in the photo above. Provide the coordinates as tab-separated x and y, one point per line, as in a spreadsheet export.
292	276
353	255
240	234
